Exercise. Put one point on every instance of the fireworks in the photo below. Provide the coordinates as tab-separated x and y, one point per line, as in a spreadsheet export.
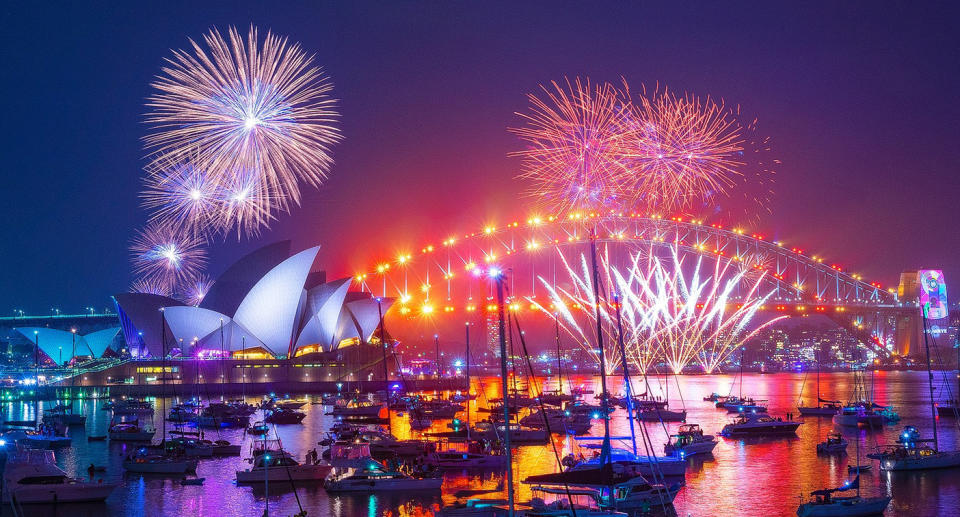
182	196
196	290
679	151
667	315
252	119
573	150
166	259
150	286
599	148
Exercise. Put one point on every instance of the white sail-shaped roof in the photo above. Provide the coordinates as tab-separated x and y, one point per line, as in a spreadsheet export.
367	316
270	310
99	341
58	345
189	324
323	307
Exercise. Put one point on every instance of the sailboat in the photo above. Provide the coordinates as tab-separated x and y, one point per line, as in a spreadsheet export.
824	407
950	408
912	452
825	504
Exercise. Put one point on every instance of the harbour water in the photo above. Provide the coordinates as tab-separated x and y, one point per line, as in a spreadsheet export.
761	477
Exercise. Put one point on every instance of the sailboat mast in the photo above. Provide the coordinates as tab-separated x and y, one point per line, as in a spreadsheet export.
933	410
36	379
163	374
626	375
506	394
743	355
556	318
605	448
818	379
467	327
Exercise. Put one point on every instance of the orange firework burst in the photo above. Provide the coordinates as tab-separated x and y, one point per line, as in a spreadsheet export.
573	154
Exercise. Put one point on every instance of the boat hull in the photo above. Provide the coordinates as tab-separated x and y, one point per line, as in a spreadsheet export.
66	493
314	473
845	508
858	420
349	485
940	460
766	430
691	449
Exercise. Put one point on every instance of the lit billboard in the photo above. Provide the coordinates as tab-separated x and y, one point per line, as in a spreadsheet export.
933	293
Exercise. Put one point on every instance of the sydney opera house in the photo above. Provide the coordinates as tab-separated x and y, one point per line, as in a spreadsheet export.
271	317
269	304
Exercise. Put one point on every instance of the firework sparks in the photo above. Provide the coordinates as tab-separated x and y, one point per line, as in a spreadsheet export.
196	290
245	107
182	196
573	136
150	286
163	256
680	150
667	315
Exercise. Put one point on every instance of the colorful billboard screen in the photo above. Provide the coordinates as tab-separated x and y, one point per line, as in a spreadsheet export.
933	293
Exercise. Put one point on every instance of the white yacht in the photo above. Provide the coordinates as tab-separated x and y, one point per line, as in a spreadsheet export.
377	479
911	453
32	476
280	466
759	425
43	438
688	441
357	409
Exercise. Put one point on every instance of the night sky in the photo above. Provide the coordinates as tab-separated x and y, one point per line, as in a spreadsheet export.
860	101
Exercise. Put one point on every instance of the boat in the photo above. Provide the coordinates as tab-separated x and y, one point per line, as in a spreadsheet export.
713	397
288	403
130	432
281	466
355	408
259	429
623	465
519	434
145	461
565	502
377	479
913	453
825	504
183	413
64	415
385	444
132	407
759	425
689	440
191	447
856	469
476	456
32	476
835	443
661	415
637	495
747	405
858	415
284	416
558	421
45	437
824	407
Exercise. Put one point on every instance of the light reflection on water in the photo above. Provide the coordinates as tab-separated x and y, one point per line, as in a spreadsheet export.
756	477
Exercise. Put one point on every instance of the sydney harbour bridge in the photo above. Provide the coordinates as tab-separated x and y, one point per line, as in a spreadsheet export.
439	285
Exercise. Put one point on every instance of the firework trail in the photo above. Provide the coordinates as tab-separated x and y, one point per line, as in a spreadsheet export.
195	290
242	107
667	316
150	286
181	196
163	257
573	153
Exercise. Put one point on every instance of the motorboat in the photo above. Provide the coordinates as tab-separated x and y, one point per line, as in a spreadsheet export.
130	432
132	407
64	415
689	440
350	455
559	421
858	415
259	429
565	502
221	414
713	397
145	461
288	403
182	413
191	447
357	409
32	476
835	443
825	504
637	494
913	453
280	466
759	425
44	437
889	415
661	414
385	444
746	405
378	479
284	416
475	456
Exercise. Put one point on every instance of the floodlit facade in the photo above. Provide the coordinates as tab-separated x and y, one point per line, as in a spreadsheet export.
287	310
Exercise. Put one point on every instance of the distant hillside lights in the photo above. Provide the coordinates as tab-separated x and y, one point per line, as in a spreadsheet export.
267	305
